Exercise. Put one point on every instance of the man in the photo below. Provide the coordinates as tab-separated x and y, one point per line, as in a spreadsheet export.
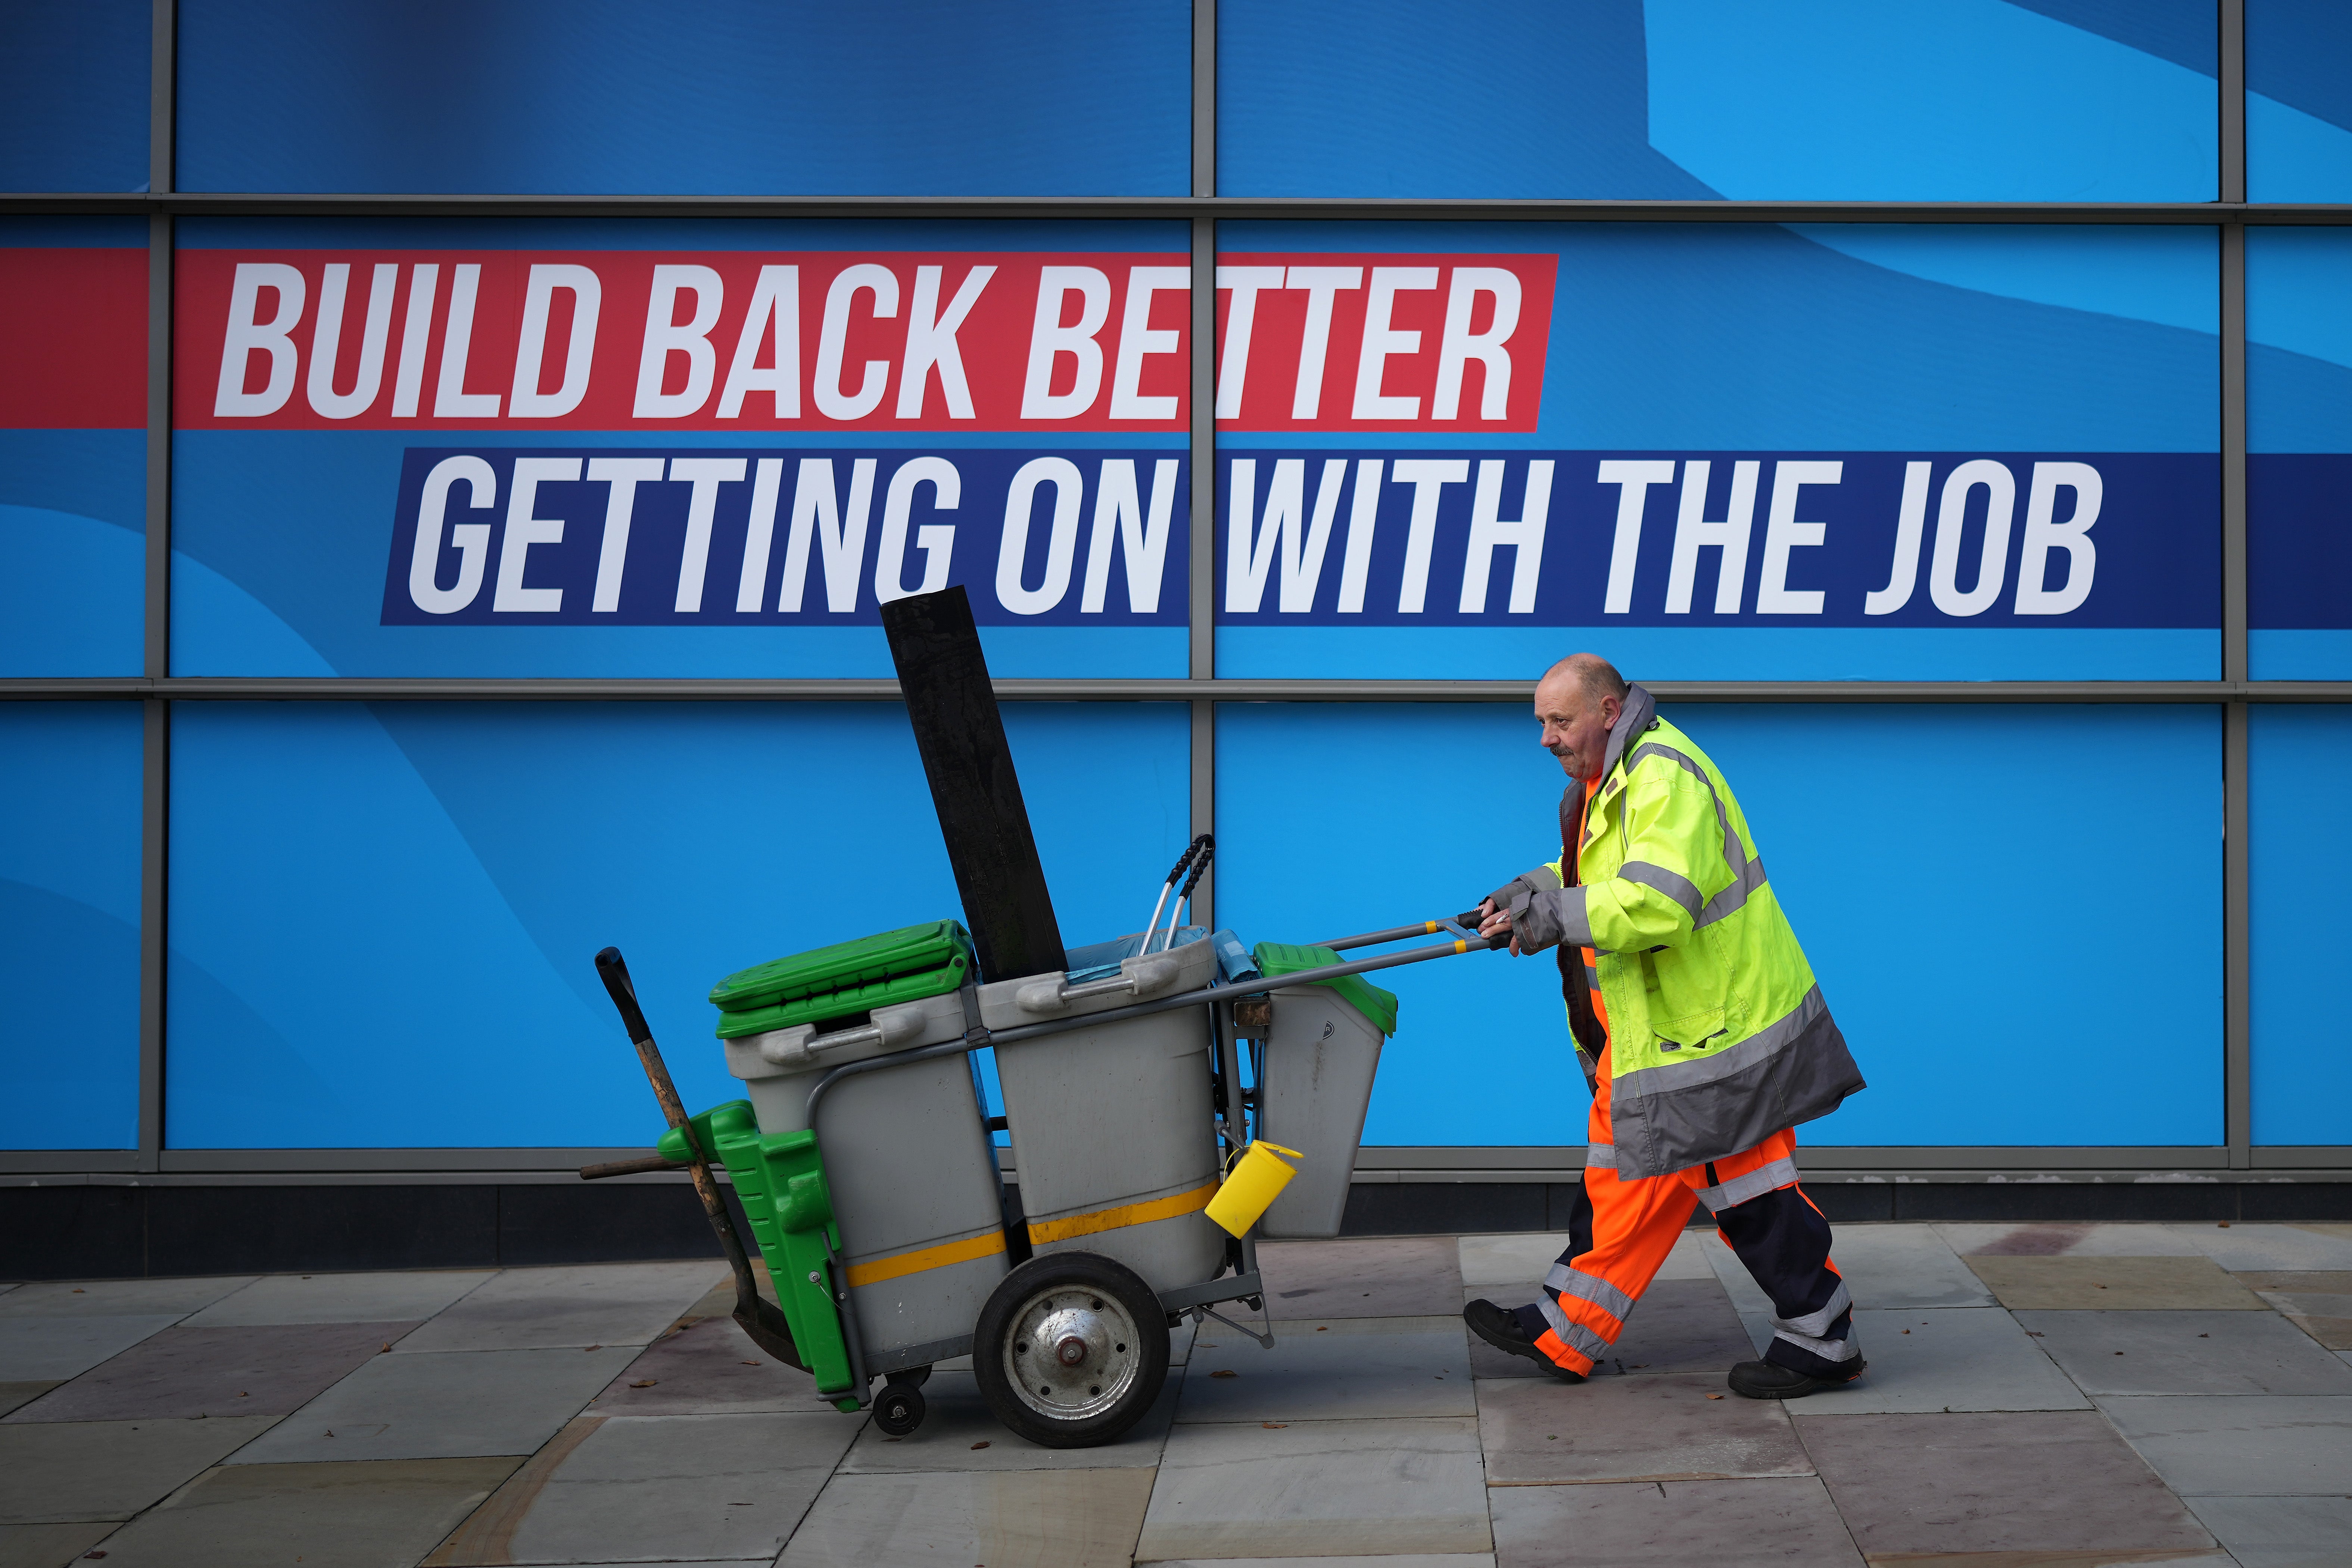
1701	1030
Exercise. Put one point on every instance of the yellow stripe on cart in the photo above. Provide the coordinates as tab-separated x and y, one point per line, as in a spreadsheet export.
928	1257
1122	1216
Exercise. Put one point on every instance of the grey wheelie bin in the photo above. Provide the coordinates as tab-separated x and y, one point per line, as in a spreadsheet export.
907	1151
1321	1052
1114	1133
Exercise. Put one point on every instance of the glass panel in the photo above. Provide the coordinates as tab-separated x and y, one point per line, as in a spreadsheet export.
1820	99
911	98
70	795
384	917
2299	759
2299	453
1442	445
2298	100
1872	820
546	449
74	84
73	446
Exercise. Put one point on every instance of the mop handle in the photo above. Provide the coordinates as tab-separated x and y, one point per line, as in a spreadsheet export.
1468	919
1206	848
1169	886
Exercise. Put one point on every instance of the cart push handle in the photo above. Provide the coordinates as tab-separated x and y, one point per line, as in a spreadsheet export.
1465	939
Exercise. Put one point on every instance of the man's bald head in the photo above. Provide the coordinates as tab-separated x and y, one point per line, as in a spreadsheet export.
1577	701
1594	675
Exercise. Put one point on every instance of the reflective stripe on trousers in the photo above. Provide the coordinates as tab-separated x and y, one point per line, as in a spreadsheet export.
1755	1184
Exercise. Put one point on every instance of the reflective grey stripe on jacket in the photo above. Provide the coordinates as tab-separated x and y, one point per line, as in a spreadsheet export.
1747	872
1754	1185
1604	1155
1687	1112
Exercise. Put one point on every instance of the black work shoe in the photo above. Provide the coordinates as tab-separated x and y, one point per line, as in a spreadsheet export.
1768	1380
1503	1330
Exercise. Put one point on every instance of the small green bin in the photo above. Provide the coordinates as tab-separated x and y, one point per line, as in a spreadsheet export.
843	979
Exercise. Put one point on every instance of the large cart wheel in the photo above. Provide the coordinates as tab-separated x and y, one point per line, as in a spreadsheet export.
1070	1350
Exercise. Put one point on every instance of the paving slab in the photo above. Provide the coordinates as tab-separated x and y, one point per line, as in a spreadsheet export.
1409	1560
2240	1245
2280	1531
48	1545
2113	1284
35	1350
658	1487
2062	1239
2035	1482
959	1433
1679	1325
1903	1266
706	1368
2186	1353
1342	1369
1400	1277
2327	1317
1661	1428
382	1514
1519	1260
1948	1358
183	1372
1724	1524
107	1469
1309	1488
103	1298
545	1308
340	1298
14	1394
1514	1260
1035	1519
451	1405
2241	1447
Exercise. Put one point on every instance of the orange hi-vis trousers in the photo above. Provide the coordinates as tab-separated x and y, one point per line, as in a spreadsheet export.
1621	1232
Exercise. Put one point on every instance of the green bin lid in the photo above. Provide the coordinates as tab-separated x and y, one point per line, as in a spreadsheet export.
901	966
1280	958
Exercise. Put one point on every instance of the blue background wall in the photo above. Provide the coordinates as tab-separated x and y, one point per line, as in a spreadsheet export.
1904	842
69	792
384	916
476	854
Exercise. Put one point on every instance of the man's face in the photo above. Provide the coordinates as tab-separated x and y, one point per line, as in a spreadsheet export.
1575	727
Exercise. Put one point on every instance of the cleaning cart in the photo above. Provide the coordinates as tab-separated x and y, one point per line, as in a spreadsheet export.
863	1152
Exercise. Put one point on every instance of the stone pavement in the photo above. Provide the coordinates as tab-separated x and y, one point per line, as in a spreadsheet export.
2039	1395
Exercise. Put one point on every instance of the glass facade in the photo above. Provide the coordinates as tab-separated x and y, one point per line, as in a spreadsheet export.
420	463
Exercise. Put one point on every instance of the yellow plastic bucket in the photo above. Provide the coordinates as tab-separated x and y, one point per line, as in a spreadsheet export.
1257	1179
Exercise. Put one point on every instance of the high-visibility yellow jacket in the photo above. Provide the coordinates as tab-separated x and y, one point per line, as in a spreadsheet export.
1717	1033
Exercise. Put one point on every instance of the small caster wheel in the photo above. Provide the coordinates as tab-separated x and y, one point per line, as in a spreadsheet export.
1070	1350
899	1410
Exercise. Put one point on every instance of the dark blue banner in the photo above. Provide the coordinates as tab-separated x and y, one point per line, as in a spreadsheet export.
638	536
1721	539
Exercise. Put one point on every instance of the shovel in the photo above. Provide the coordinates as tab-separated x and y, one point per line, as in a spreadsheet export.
754	1313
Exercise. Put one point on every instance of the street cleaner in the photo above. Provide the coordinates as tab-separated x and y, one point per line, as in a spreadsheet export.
1700	1028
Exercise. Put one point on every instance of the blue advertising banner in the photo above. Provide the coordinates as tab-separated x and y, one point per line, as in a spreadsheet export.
664	449
1729	452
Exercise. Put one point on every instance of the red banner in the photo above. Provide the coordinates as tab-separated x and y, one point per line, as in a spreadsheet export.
73	339
849	341
706	340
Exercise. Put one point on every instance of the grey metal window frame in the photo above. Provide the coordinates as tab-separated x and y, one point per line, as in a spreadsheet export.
156	690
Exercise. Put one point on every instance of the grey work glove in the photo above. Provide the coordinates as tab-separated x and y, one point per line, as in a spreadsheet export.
1533	924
